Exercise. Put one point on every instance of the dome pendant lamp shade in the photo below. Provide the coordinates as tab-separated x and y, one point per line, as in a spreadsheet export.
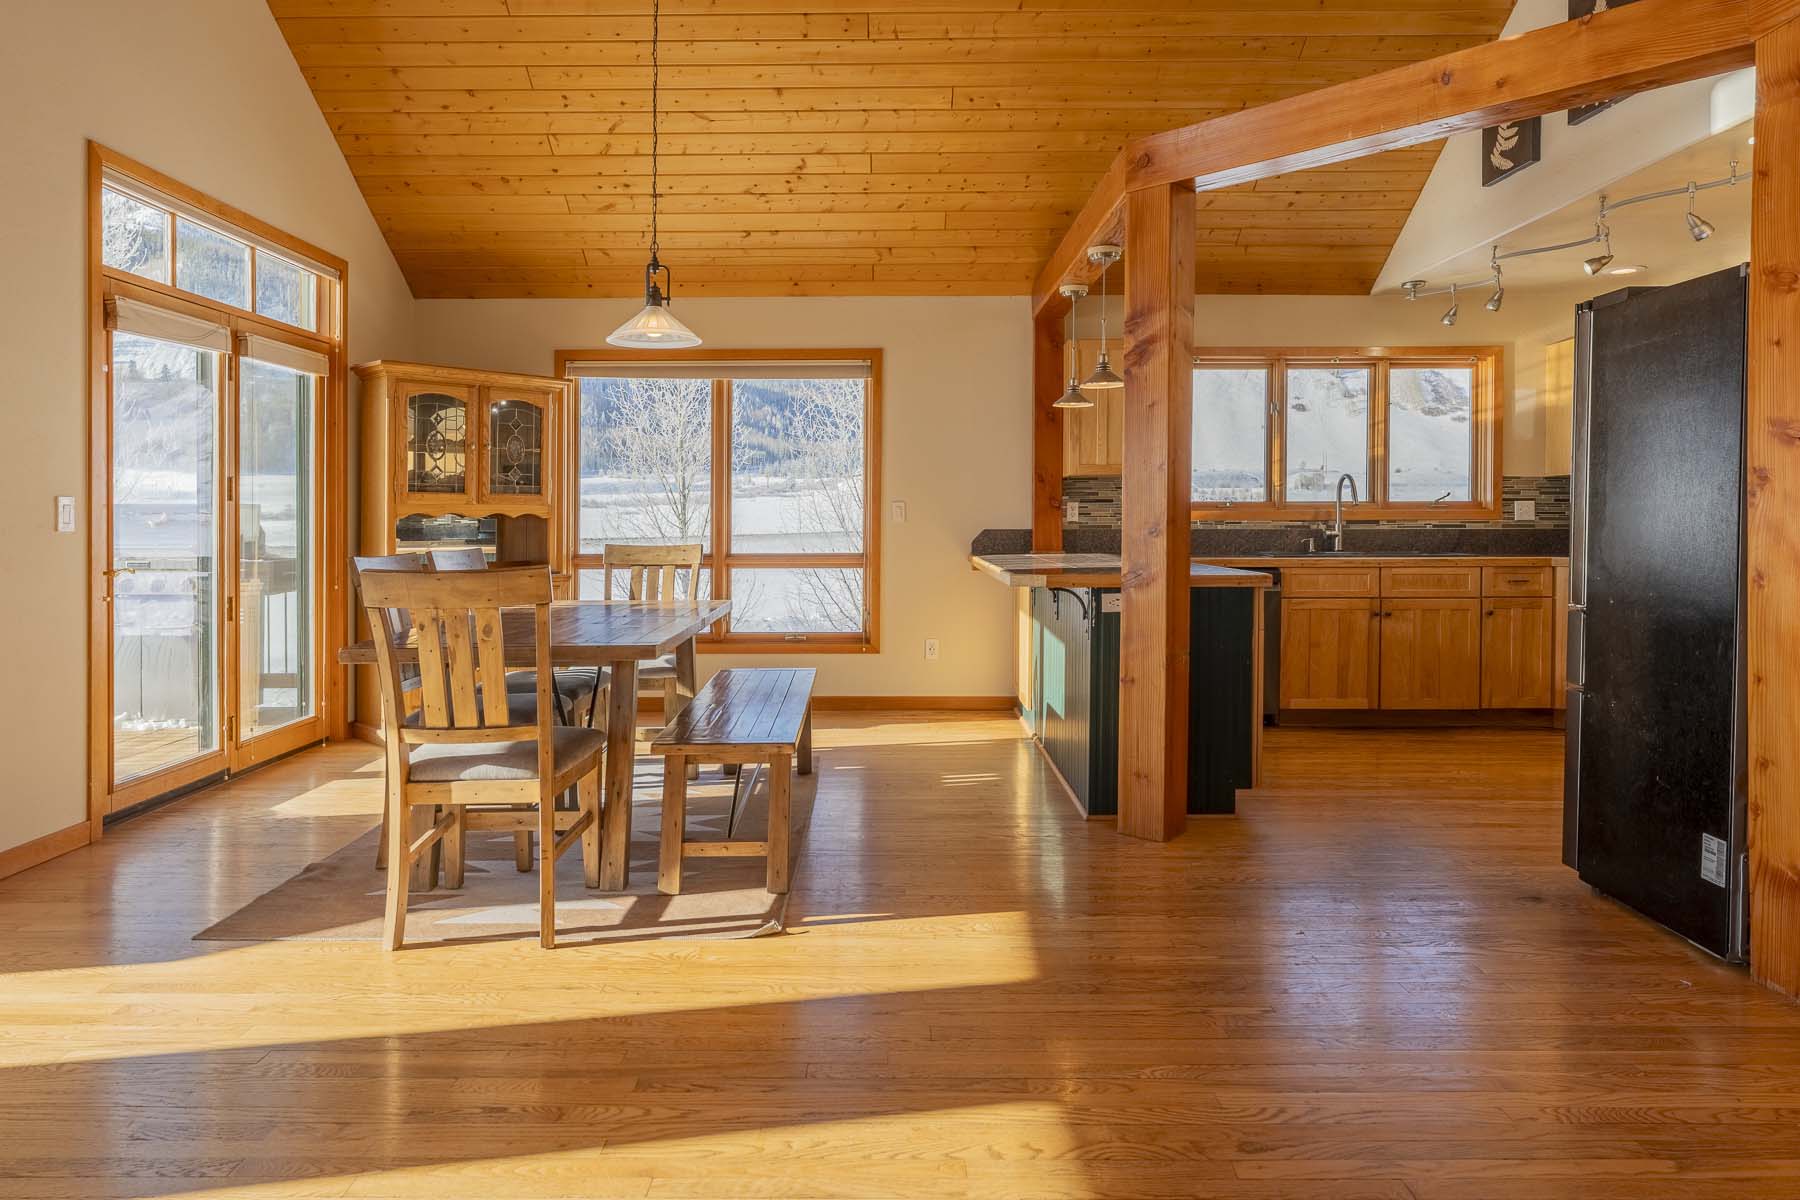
1074	397
655	327
1103	377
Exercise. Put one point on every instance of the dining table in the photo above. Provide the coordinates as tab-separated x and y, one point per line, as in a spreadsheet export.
617	635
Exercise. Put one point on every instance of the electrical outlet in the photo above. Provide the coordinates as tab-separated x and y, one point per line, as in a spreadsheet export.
1071	511
65	514
1524	510
899	511
931	649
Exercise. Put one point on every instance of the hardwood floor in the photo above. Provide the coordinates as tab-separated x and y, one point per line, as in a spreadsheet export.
1378	983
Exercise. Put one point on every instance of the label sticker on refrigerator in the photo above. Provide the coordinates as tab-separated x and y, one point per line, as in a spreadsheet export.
1714	854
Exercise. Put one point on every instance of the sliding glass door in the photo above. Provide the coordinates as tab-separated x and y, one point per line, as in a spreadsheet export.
277	556
163	586
213	580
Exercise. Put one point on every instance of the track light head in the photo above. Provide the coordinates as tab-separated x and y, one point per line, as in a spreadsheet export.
1497	299
1699	228
1450	314
1597	264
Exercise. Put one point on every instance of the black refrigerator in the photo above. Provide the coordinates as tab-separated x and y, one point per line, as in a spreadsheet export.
1654	791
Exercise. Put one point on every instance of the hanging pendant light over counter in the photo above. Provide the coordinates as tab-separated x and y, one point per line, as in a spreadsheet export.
1104	376
1074	397
655	327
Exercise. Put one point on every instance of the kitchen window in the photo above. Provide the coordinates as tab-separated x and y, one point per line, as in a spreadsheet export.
1418	430
768	462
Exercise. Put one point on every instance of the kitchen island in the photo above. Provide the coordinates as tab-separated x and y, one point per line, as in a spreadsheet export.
1069	622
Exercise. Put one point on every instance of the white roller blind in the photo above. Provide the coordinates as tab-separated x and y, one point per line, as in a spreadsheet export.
134	316
798	368
294	358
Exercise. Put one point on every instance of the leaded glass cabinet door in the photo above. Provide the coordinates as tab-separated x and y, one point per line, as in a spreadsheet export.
436	440
515	446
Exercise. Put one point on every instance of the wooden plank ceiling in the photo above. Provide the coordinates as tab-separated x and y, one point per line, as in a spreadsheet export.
839	147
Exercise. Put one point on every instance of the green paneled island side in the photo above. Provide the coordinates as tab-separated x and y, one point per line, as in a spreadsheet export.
1070	613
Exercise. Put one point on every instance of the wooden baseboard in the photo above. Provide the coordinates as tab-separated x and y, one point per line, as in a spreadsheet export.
42	850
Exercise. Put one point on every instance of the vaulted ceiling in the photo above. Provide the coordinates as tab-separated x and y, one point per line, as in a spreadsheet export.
854	147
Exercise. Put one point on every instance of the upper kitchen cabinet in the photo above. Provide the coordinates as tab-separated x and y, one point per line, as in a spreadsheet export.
1093	438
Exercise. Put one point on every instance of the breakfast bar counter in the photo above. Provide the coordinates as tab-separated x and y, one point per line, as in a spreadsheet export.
1070	614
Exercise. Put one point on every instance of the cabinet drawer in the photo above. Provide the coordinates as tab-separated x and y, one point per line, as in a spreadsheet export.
1330	581
1430	580
1515	581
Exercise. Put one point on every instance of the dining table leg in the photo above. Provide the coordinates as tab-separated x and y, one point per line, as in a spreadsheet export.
621	751
687	684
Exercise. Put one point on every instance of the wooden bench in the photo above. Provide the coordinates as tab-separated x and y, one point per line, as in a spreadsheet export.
742	716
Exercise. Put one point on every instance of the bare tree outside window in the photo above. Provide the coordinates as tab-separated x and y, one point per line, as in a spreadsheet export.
797	487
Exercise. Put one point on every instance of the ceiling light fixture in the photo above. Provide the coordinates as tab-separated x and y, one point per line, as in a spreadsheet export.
655	327
1103	376
1602	260
1074	397
1699	228
1449	317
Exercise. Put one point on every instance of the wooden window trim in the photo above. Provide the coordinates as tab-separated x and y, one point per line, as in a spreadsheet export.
332	438
719	560
1485	431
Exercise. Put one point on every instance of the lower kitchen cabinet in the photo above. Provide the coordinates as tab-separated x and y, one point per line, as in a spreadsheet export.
1516	652
1430	653
1328	653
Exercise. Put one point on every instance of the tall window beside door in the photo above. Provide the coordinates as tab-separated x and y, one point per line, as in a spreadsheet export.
769	463
1417	430
217	348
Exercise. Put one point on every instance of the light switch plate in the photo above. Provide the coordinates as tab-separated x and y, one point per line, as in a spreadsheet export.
1524	510
1071	511
65	514
899	510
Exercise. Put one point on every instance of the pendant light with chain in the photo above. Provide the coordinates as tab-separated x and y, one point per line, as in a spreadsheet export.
655	327
1104	376
1074	397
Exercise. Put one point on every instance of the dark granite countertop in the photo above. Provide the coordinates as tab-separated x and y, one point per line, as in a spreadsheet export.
1246	541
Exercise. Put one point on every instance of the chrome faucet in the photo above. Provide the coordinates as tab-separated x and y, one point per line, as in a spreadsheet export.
1336	533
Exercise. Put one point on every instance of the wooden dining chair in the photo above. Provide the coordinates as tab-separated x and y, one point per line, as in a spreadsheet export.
578	689
395	622
652	574
472	751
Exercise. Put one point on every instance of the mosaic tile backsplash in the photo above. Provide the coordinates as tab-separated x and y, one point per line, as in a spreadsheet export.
1098	500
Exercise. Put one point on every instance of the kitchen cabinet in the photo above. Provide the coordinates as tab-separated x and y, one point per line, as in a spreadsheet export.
1328	653
1093	438
1430	653
1516	653
1454	635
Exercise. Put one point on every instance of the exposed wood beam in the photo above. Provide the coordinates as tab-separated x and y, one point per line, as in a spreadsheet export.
1773	539
1048	343
1652	43
1159	385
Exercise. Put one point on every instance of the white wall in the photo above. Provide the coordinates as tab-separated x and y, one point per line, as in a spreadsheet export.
207	92
956	446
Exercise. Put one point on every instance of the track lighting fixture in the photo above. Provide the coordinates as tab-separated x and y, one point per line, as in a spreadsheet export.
1699	228
1602	260
1103	376
1074	397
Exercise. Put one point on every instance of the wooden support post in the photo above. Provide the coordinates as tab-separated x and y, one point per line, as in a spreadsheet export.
1047	383
1159	369
1773	537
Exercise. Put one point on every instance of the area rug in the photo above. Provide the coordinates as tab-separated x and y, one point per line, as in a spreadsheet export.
342	898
